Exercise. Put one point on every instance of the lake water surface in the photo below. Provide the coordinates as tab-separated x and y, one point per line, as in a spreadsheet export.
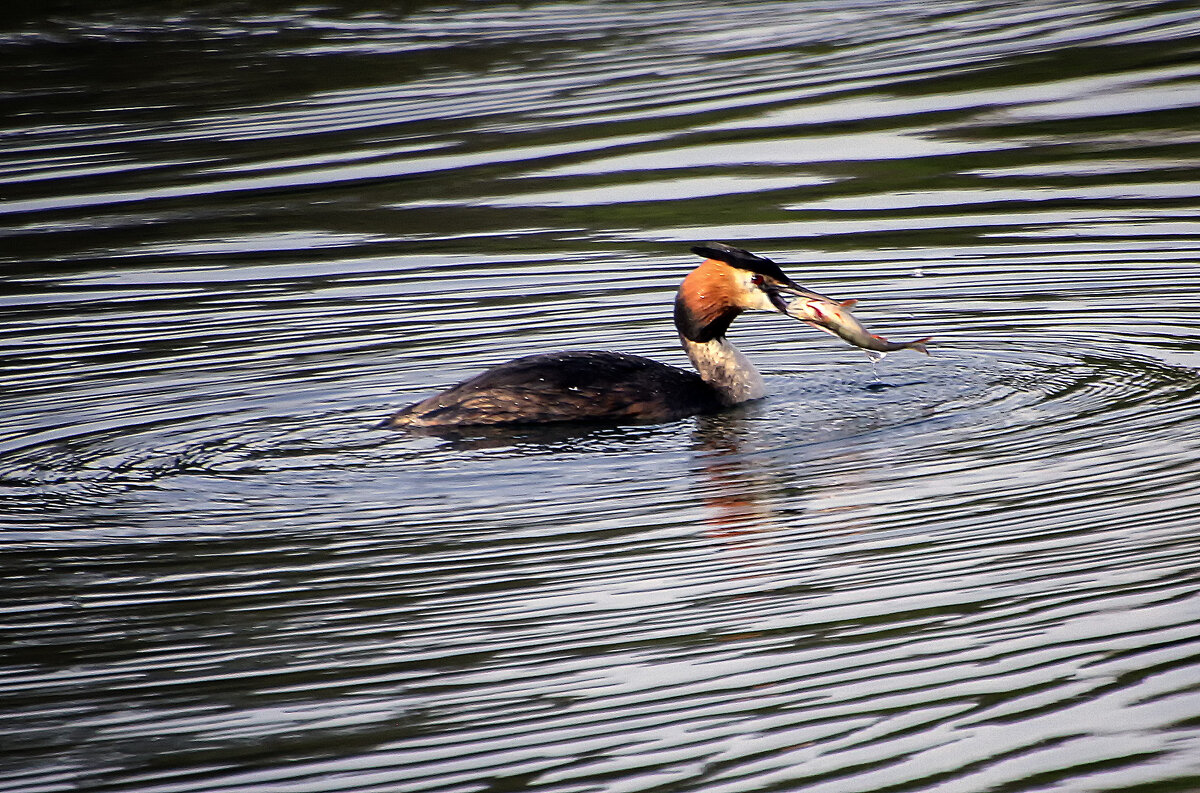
234	236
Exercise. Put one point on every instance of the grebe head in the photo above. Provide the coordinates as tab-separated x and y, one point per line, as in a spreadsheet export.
728	282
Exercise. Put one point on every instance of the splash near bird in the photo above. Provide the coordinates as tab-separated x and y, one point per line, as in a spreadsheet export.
835	318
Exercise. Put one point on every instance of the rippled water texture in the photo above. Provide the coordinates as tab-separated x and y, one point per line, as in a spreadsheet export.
234	236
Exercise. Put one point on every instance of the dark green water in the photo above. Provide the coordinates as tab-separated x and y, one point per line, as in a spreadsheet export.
233	236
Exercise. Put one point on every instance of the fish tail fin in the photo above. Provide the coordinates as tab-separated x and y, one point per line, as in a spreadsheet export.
919	345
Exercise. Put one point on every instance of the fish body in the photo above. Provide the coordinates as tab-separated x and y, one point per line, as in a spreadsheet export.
835	318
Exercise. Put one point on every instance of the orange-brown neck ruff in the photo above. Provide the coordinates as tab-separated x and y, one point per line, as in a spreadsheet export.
704	305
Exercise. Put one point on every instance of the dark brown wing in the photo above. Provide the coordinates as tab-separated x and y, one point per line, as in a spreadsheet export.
566	386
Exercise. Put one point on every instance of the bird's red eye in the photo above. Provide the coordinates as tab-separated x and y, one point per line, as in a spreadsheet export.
757	280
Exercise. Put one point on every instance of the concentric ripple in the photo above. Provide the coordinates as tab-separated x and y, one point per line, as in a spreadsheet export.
233	239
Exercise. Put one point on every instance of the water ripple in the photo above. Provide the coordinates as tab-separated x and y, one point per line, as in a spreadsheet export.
968	572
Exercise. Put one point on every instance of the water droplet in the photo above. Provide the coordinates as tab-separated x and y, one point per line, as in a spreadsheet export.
876	356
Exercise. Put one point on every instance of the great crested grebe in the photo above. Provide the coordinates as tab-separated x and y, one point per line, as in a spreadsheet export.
613	386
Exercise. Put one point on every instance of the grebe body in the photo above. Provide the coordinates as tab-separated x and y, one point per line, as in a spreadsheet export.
567	386
613	386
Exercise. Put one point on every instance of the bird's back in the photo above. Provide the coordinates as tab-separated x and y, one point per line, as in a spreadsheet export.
566	386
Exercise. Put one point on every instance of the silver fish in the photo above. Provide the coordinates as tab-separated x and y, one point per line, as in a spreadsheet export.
835	318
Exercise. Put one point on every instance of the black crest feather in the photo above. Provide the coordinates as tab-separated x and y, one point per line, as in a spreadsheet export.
741	259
